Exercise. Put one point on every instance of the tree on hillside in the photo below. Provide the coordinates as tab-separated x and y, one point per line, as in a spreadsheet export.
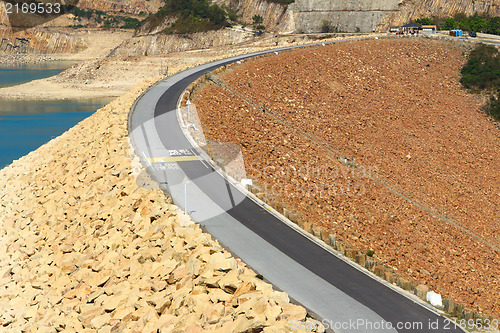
449	24
424	21
482	70
477	23
257	19
494	107
493	26
481	73
192	16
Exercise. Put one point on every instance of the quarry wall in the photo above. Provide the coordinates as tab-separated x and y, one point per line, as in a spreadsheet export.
39	41
349	16
162	43
355	15
276	17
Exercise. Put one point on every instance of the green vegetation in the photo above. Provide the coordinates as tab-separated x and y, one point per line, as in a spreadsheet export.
81	13
257	19
130	23
482	70
494	107
481	74
327	27
424	21
106	20
192	16
232	14
257	23
477	22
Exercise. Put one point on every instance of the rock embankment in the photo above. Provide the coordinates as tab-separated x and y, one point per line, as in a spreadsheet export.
83	248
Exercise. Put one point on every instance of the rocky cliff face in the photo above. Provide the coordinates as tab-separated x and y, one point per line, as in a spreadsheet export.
4	19
161	43
39	41
276	17
412	9
352	16
301	16
50	38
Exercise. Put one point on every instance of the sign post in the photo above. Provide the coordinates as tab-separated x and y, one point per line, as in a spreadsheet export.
189	113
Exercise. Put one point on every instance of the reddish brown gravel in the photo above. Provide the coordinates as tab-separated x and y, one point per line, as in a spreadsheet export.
395	106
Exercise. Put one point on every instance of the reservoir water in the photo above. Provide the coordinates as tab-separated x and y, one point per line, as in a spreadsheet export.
11	75
25	125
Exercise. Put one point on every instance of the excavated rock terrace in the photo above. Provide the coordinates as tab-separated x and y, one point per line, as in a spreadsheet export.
396	110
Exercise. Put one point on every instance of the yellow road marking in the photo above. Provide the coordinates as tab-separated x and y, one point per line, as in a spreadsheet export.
173	159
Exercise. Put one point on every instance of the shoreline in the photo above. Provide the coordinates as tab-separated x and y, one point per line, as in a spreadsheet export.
46	90
21	59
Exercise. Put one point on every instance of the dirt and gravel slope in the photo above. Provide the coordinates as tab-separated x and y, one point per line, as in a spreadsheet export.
396	107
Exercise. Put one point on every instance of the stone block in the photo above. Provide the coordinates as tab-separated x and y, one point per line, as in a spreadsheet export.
421	291
221	262
361	259
325	236
332	240
351	253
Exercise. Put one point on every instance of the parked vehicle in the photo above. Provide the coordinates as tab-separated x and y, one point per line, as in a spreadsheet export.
472	34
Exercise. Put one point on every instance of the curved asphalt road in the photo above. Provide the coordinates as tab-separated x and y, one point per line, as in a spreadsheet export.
347	299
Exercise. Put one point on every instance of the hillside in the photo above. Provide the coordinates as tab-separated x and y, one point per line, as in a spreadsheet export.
152	19
396	109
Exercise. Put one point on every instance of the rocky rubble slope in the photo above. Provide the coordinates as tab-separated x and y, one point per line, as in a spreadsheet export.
394	106
83	248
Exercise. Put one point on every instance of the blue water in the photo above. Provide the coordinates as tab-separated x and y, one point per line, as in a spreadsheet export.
37	122
21	134
11	75
23	107
25	125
